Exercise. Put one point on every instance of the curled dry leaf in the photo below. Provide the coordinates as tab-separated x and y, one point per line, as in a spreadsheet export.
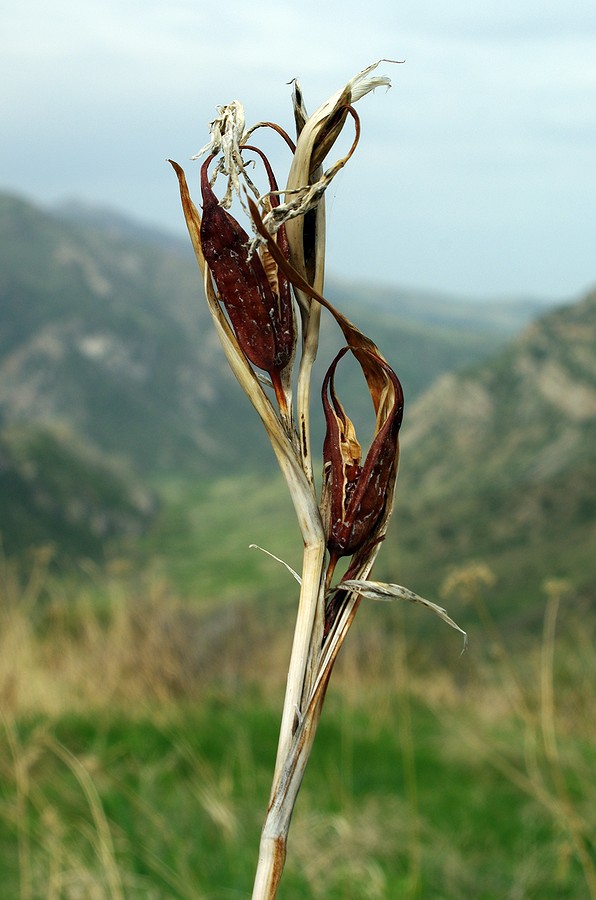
363	348
378	590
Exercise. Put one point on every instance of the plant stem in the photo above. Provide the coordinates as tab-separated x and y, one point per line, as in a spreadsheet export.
272	849
308	625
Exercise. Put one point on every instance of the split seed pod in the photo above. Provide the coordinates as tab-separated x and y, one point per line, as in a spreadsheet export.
356	498
261	315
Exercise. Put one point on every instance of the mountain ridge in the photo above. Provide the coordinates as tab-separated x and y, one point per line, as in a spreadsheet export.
499	460
109	360
108	334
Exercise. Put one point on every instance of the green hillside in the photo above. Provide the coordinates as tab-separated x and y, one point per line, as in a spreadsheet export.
57	493
498	465
499	462
104	337
104	328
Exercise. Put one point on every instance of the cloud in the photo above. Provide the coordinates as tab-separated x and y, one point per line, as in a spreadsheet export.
489	127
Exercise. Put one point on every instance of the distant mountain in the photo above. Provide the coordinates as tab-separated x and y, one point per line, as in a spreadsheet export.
117	225
478	315
55	492
110	369
103	330
505	316
499	462
107	336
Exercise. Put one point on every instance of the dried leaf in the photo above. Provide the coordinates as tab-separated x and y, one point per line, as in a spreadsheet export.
277	559
316	135
378	590
191	215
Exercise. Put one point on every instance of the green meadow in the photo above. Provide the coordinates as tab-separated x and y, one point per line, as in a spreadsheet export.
139	730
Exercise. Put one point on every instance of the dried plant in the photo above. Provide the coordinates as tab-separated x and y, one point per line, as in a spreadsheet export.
264	289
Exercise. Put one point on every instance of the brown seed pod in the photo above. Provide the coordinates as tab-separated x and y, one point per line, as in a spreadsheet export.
278	279
355	496
264	334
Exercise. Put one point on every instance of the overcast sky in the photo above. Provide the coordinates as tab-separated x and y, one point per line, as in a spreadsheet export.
476	172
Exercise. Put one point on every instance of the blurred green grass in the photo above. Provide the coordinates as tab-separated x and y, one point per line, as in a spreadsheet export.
183	799
129	769
201	538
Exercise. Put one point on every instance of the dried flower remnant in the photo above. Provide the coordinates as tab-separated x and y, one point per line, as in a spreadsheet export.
355	496
260	309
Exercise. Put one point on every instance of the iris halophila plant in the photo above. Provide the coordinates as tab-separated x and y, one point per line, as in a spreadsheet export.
264	286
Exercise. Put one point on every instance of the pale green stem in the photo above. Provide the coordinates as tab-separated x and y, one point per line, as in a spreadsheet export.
309	604
272	849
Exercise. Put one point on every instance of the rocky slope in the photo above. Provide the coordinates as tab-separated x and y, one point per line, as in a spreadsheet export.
499	461
103	329
111	375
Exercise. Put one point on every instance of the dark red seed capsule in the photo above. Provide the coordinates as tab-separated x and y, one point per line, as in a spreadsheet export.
243	286
356	495
286	326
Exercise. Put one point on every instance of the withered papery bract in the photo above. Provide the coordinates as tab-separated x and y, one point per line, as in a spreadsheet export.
355	496
261	312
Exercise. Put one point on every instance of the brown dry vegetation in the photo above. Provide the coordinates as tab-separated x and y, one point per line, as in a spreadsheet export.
129	647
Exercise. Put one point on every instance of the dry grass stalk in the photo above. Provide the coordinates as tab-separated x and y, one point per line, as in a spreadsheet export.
258	288
542	773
